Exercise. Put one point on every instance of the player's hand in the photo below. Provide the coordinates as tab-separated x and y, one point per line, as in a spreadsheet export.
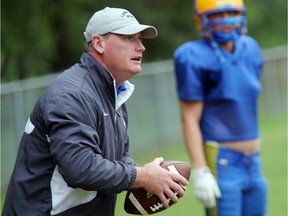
205	186
161	182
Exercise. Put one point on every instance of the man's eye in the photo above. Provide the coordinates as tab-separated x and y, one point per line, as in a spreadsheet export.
133	38
130	38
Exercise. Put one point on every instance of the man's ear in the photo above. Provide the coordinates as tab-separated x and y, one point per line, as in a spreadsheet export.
98	43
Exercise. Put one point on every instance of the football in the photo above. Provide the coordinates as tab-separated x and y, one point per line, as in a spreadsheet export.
140	202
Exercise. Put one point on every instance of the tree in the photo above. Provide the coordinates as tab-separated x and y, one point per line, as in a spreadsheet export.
40	37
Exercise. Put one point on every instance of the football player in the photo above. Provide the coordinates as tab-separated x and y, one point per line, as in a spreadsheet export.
218	83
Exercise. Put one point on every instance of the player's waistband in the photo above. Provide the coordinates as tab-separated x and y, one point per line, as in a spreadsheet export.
231	151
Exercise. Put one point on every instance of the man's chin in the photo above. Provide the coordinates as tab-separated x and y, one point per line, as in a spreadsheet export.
137	70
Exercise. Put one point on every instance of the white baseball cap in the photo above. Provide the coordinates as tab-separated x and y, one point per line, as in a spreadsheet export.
117	21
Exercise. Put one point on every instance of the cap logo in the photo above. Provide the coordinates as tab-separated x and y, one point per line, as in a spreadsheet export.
127	14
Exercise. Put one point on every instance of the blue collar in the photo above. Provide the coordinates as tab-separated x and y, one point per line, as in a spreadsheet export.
120	88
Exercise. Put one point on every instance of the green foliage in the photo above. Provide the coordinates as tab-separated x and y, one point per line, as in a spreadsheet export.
40	37
267	21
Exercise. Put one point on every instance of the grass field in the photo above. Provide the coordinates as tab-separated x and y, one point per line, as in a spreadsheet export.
274	157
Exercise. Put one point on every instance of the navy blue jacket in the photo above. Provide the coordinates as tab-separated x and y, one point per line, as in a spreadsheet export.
73	157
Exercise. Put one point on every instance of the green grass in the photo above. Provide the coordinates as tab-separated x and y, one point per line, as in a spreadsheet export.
274	157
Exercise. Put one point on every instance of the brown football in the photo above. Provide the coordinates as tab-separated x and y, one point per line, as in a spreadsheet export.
140	202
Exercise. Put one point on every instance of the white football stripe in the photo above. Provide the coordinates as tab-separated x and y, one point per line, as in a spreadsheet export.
173	169
137	205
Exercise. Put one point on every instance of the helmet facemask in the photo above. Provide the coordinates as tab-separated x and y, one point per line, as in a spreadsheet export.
216	29
220	35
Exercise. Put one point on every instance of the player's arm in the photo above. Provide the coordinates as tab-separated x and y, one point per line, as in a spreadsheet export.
190	116
205	186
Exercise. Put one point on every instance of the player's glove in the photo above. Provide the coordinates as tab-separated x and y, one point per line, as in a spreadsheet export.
205	186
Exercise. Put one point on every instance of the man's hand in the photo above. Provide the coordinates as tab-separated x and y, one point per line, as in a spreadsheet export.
160	182
205	186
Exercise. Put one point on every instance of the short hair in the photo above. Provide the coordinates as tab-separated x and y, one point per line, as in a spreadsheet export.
88	46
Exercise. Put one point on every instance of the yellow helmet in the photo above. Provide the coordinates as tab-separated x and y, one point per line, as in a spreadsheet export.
202	8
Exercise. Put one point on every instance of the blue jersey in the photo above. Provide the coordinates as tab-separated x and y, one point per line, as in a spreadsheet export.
227	83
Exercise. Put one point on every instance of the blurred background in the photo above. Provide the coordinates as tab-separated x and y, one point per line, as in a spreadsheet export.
42	37
39	39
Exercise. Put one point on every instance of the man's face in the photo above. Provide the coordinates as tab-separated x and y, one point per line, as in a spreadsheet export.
123	55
